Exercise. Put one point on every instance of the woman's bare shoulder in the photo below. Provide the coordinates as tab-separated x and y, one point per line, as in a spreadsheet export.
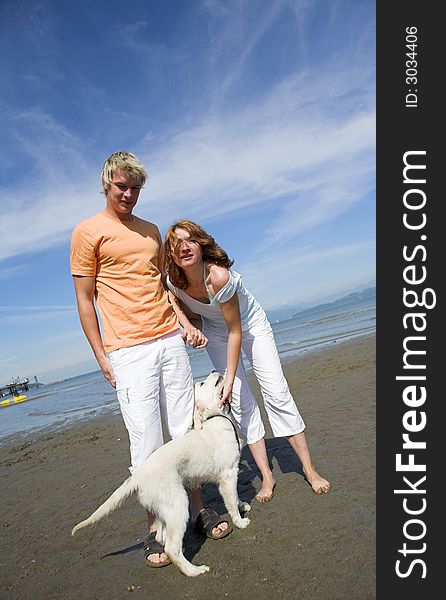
219	277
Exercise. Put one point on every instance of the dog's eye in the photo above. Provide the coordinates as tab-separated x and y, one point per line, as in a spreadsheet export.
202	383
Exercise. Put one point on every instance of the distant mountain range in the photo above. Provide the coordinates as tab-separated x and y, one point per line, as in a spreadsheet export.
368	295
291	311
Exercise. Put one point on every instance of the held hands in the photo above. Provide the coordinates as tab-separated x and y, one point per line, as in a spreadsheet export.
226	394
107	370
194	337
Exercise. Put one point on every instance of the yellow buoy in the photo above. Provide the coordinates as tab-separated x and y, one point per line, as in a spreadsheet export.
14	400
19	398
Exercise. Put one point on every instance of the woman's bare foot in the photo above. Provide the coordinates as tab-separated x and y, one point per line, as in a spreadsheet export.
318	483
267	490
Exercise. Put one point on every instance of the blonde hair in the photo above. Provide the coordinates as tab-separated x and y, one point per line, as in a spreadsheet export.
210	249
125	162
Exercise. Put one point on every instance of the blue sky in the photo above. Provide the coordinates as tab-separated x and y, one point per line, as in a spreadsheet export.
254	118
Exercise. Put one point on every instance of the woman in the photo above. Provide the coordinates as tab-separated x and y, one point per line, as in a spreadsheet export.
200	277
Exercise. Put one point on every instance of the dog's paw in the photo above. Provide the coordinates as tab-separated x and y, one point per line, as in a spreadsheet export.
194	571
245	507
242	523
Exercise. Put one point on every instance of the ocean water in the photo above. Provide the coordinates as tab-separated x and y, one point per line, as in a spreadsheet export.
57	406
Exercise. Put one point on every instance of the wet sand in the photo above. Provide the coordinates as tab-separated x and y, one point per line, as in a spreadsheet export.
298	546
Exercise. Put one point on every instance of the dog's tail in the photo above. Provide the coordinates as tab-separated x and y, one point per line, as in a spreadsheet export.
111	504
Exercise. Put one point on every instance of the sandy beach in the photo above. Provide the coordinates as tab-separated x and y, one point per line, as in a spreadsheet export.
298	546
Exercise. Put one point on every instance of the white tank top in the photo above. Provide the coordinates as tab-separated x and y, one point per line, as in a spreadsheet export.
250	310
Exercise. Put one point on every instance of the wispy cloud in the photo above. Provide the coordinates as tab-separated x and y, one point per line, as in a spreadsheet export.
12	271
284	147
297	263
287	147
304	146
265	19
22	315
65	338
9	361
251	116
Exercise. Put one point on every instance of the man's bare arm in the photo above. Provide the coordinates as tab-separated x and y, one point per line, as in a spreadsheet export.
84	288
190	322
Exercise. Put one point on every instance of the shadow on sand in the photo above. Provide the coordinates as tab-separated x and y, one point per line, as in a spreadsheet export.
277	448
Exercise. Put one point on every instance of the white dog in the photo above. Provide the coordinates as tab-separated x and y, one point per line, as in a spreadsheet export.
209	453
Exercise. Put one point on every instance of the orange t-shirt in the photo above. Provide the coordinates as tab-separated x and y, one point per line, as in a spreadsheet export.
124	258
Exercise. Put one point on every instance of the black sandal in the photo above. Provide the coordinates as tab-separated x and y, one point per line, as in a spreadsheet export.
151	546
207	520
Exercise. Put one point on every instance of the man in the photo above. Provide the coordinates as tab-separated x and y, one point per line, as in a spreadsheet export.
116	260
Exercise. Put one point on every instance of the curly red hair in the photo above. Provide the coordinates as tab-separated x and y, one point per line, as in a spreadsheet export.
211	250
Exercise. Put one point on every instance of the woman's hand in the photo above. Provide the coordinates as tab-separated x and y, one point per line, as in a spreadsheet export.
194	337
226	394
191	335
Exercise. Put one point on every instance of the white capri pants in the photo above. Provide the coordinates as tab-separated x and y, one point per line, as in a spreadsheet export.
260	348
153	380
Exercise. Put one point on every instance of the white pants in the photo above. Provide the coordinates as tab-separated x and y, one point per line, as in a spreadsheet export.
153	380
260	348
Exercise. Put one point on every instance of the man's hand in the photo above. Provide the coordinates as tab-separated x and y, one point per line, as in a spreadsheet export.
194	337
107	370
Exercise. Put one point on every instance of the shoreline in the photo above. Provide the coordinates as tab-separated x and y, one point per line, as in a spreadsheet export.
102	412
297	546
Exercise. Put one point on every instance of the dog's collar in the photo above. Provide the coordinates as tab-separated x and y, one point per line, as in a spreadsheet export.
233	426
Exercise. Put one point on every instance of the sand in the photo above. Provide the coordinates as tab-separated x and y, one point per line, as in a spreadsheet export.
298	546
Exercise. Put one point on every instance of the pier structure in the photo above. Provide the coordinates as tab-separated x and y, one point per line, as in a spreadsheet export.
16	385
